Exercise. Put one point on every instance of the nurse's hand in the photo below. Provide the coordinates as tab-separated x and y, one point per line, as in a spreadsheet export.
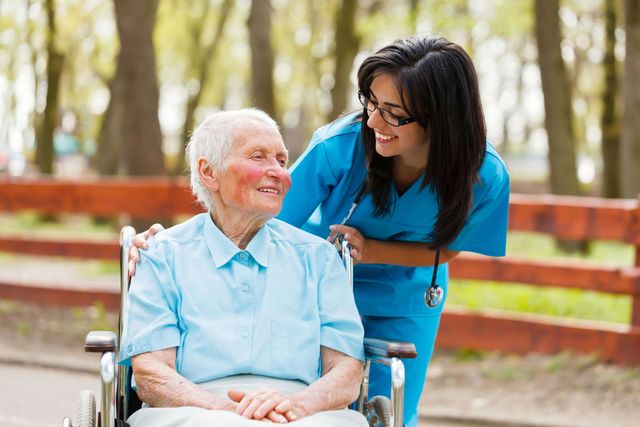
357	241
140	242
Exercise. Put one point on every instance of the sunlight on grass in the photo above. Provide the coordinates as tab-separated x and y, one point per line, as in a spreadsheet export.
100	268
540	246
6	257
477	295
60	225
574	303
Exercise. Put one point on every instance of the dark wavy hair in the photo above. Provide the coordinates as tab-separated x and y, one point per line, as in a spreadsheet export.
438	85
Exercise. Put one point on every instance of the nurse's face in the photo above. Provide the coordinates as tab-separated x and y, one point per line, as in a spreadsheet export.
408	142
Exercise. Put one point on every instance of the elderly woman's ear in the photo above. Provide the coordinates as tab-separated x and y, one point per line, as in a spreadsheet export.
207	174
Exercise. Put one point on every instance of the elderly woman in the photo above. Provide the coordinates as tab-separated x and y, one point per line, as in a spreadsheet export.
235	318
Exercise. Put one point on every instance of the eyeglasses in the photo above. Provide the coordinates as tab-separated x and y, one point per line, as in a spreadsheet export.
386	115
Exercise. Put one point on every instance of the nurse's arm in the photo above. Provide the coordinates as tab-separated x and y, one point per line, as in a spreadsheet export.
159	384
338	386
407	254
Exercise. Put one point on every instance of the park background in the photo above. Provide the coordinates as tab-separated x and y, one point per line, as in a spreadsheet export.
91	89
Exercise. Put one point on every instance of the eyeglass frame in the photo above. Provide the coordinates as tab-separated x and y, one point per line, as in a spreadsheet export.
401	121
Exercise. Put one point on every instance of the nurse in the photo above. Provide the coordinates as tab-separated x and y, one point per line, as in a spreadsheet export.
426	181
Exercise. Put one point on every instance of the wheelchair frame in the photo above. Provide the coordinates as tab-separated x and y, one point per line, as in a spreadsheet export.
118	400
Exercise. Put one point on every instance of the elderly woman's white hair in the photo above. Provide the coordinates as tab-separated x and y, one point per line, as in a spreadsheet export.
212	140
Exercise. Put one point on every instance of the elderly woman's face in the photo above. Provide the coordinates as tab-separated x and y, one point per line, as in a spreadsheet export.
255	178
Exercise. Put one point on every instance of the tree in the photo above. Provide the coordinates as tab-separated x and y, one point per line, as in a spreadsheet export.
47	122
557	99
202	59
262	57
630	141
610	120
347	44
131	141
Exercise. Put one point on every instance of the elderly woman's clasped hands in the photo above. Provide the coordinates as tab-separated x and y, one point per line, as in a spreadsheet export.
267	404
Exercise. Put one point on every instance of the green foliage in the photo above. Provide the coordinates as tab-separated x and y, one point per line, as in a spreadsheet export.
98	314
469	355
65	225
7	307
539	246
24	328
100	268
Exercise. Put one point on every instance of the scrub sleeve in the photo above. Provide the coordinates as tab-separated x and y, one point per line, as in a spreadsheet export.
325	182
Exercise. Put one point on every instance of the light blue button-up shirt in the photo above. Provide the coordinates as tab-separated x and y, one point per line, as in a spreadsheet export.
265	310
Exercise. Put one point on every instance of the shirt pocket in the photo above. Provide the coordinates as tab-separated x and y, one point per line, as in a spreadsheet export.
295	349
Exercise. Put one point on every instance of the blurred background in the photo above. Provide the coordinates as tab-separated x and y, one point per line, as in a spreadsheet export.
101	87
94	89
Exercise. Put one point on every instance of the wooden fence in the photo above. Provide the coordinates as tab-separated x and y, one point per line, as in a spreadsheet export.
559	216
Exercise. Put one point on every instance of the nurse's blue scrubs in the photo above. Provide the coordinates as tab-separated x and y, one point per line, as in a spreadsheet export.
326	180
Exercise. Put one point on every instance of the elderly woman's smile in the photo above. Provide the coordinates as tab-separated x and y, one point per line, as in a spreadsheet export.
255	178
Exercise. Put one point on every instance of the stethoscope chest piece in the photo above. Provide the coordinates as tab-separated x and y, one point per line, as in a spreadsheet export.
433	296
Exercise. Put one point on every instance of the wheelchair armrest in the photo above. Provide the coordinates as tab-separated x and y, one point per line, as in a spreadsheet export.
388	348
100	341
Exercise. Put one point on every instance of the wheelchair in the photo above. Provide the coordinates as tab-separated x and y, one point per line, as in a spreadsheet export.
118	400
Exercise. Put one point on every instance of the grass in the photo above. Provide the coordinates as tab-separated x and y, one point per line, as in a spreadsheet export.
61	225
572	303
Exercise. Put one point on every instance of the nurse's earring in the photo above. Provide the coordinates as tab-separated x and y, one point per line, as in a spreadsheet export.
434	294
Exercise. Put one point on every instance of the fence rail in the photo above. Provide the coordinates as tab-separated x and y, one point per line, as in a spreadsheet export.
559	216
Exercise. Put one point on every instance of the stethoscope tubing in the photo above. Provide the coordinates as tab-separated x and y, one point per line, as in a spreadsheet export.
433	295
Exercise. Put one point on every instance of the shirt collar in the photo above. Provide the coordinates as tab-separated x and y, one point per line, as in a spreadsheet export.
223	250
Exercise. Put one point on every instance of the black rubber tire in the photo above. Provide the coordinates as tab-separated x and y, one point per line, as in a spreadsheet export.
86	409
378	411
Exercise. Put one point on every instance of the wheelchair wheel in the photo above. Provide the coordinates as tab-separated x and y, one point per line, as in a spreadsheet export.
86	409
378	412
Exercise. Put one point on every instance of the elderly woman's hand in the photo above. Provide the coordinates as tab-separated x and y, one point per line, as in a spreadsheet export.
267	404
140	242
357	241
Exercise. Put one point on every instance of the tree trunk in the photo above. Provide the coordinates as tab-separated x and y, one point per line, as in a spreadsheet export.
48	120
610	122
557	99
203	66
346	48
414	11
108	159
262	60
131	135
630	141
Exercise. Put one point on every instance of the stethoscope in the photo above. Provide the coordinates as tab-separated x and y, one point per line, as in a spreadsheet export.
434	294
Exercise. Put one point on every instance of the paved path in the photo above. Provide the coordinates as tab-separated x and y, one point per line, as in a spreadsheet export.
40	397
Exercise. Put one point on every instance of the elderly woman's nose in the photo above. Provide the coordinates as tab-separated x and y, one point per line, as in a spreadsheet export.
276	169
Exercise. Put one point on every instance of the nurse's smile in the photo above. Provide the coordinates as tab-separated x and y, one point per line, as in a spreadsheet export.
384	139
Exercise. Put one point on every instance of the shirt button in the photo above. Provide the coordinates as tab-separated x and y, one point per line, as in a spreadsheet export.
244	334
245	288
243	256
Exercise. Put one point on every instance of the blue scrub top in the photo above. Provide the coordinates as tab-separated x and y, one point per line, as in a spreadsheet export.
325	182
